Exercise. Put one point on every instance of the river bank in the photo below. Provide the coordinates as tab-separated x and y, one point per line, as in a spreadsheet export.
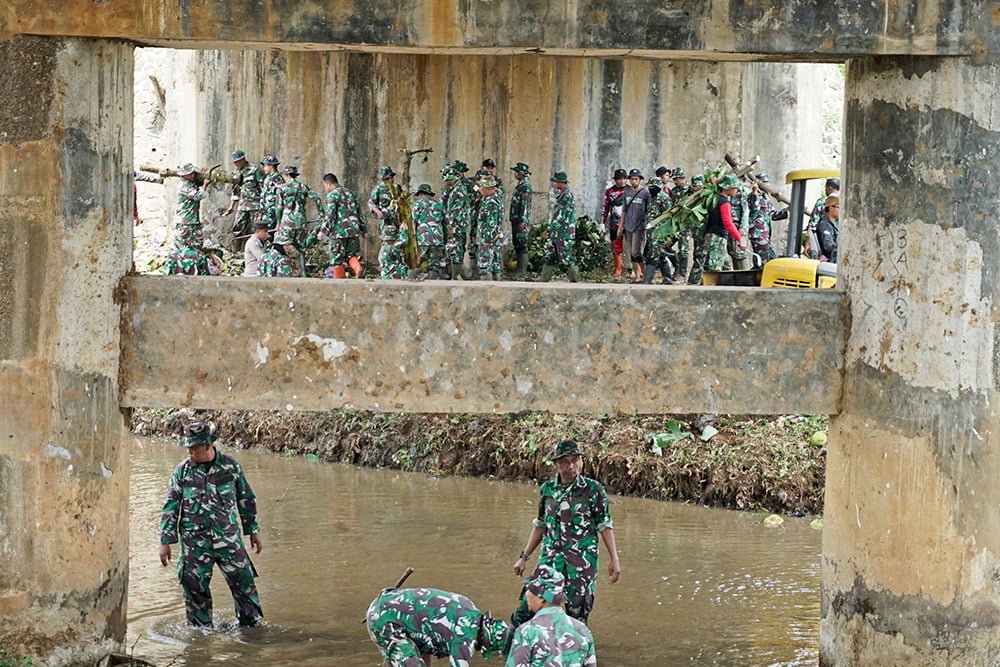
751	463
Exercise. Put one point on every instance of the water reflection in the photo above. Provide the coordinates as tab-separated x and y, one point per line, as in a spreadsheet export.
698	587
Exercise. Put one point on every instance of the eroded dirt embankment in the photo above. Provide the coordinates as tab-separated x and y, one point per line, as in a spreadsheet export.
752	463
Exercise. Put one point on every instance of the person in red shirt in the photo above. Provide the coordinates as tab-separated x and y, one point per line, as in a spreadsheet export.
712	253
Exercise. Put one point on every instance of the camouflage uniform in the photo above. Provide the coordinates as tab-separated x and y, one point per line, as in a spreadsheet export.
186	260
428	221
520	213
562	230
293	196
340	224
248	193
551	639
273	265
205	506
570	518
741	218
271	200
489	234
762	210
410	622
458	212
391	258
188	219
656	250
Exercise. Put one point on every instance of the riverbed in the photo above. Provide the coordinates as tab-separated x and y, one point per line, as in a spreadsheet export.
698	587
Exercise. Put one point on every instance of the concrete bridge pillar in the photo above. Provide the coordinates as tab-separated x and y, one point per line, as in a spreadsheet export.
65	243
911	546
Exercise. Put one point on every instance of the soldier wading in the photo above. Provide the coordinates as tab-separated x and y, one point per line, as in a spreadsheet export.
207	501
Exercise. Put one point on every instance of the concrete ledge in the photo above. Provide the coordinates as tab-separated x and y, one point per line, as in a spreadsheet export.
247	343
716	29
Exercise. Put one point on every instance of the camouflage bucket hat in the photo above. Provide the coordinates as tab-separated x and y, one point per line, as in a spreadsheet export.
291	170
238	155
487	182
547	583
385	172
521	168
697	179
729	181
449	174
185	169
425	189
495	634
560	177
565	448
678	173
271	160
460	166
198	433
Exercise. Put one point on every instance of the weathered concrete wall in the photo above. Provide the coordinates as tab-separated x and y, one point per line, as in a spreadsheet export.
911	545
350	113
247	343
807	29
65	148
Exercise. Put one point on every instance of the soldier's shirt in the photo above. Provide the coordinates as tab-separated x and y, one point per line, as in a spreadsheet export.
186	261
189	198
489	220
428	220
570	517
207	503
552	639
249	191
439	623
274	265
520	202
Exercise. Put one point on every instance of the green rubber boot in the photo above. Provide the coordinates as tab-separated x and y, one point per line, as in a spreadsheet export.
547	272
574	274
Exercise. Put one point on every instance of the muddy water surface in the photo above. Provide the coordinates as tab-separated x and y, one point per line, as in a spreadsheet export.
698	587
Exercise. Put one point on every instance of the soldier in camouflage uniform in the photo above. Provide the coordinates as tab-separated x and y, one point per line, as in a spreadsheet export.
187	261
457	215
552	637
428	223
657	251
561	232
189	196
208	499
339	227
489	229
740	201
718	230
246	199
293	196
762	212
412	625
573	511
269	191
391	258
520	217
274	264
685	243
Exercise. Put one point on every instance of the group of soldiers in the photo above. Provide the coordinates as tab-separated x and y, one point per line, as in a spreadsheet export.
210	503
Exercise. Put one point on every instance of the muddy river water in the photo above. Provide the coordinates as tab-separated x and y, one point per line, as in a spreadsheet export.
698	586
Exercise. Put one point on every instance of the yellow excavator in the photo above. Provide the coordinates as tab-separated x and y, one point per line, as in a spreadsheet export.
791	270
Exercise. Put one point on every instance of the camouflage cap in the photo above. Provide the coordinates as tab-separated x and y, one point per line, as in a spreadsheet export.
495	634
678	173
763	177
185	169
449	174
565	448
487	181
291	170
729	181
547	583
238	155
271	160
521	168
560	177
424	189
460	166
385	171
198	433
698	179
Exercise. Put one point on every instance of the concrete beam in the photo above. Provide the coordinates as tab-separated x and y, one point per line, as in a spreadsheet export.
699	29
248	343
65	241
911	544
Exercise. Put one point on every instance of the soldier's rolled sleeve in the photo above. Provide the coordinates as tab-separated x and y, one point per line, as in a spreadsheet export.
601	509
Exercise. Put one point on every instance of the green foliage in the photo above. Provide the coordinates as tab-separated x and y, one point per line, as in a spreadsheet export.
690	211
9	659
591	249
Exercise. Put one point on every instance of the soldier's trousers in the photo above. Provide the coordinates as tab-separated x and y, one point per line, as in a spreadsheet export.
579	592
342	250
194	570
395	644
436	259
391	262
520	238
490	259
455	246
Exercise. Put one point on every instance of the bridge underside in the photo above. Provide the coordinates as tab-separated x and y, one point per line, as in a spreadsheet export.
480	347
